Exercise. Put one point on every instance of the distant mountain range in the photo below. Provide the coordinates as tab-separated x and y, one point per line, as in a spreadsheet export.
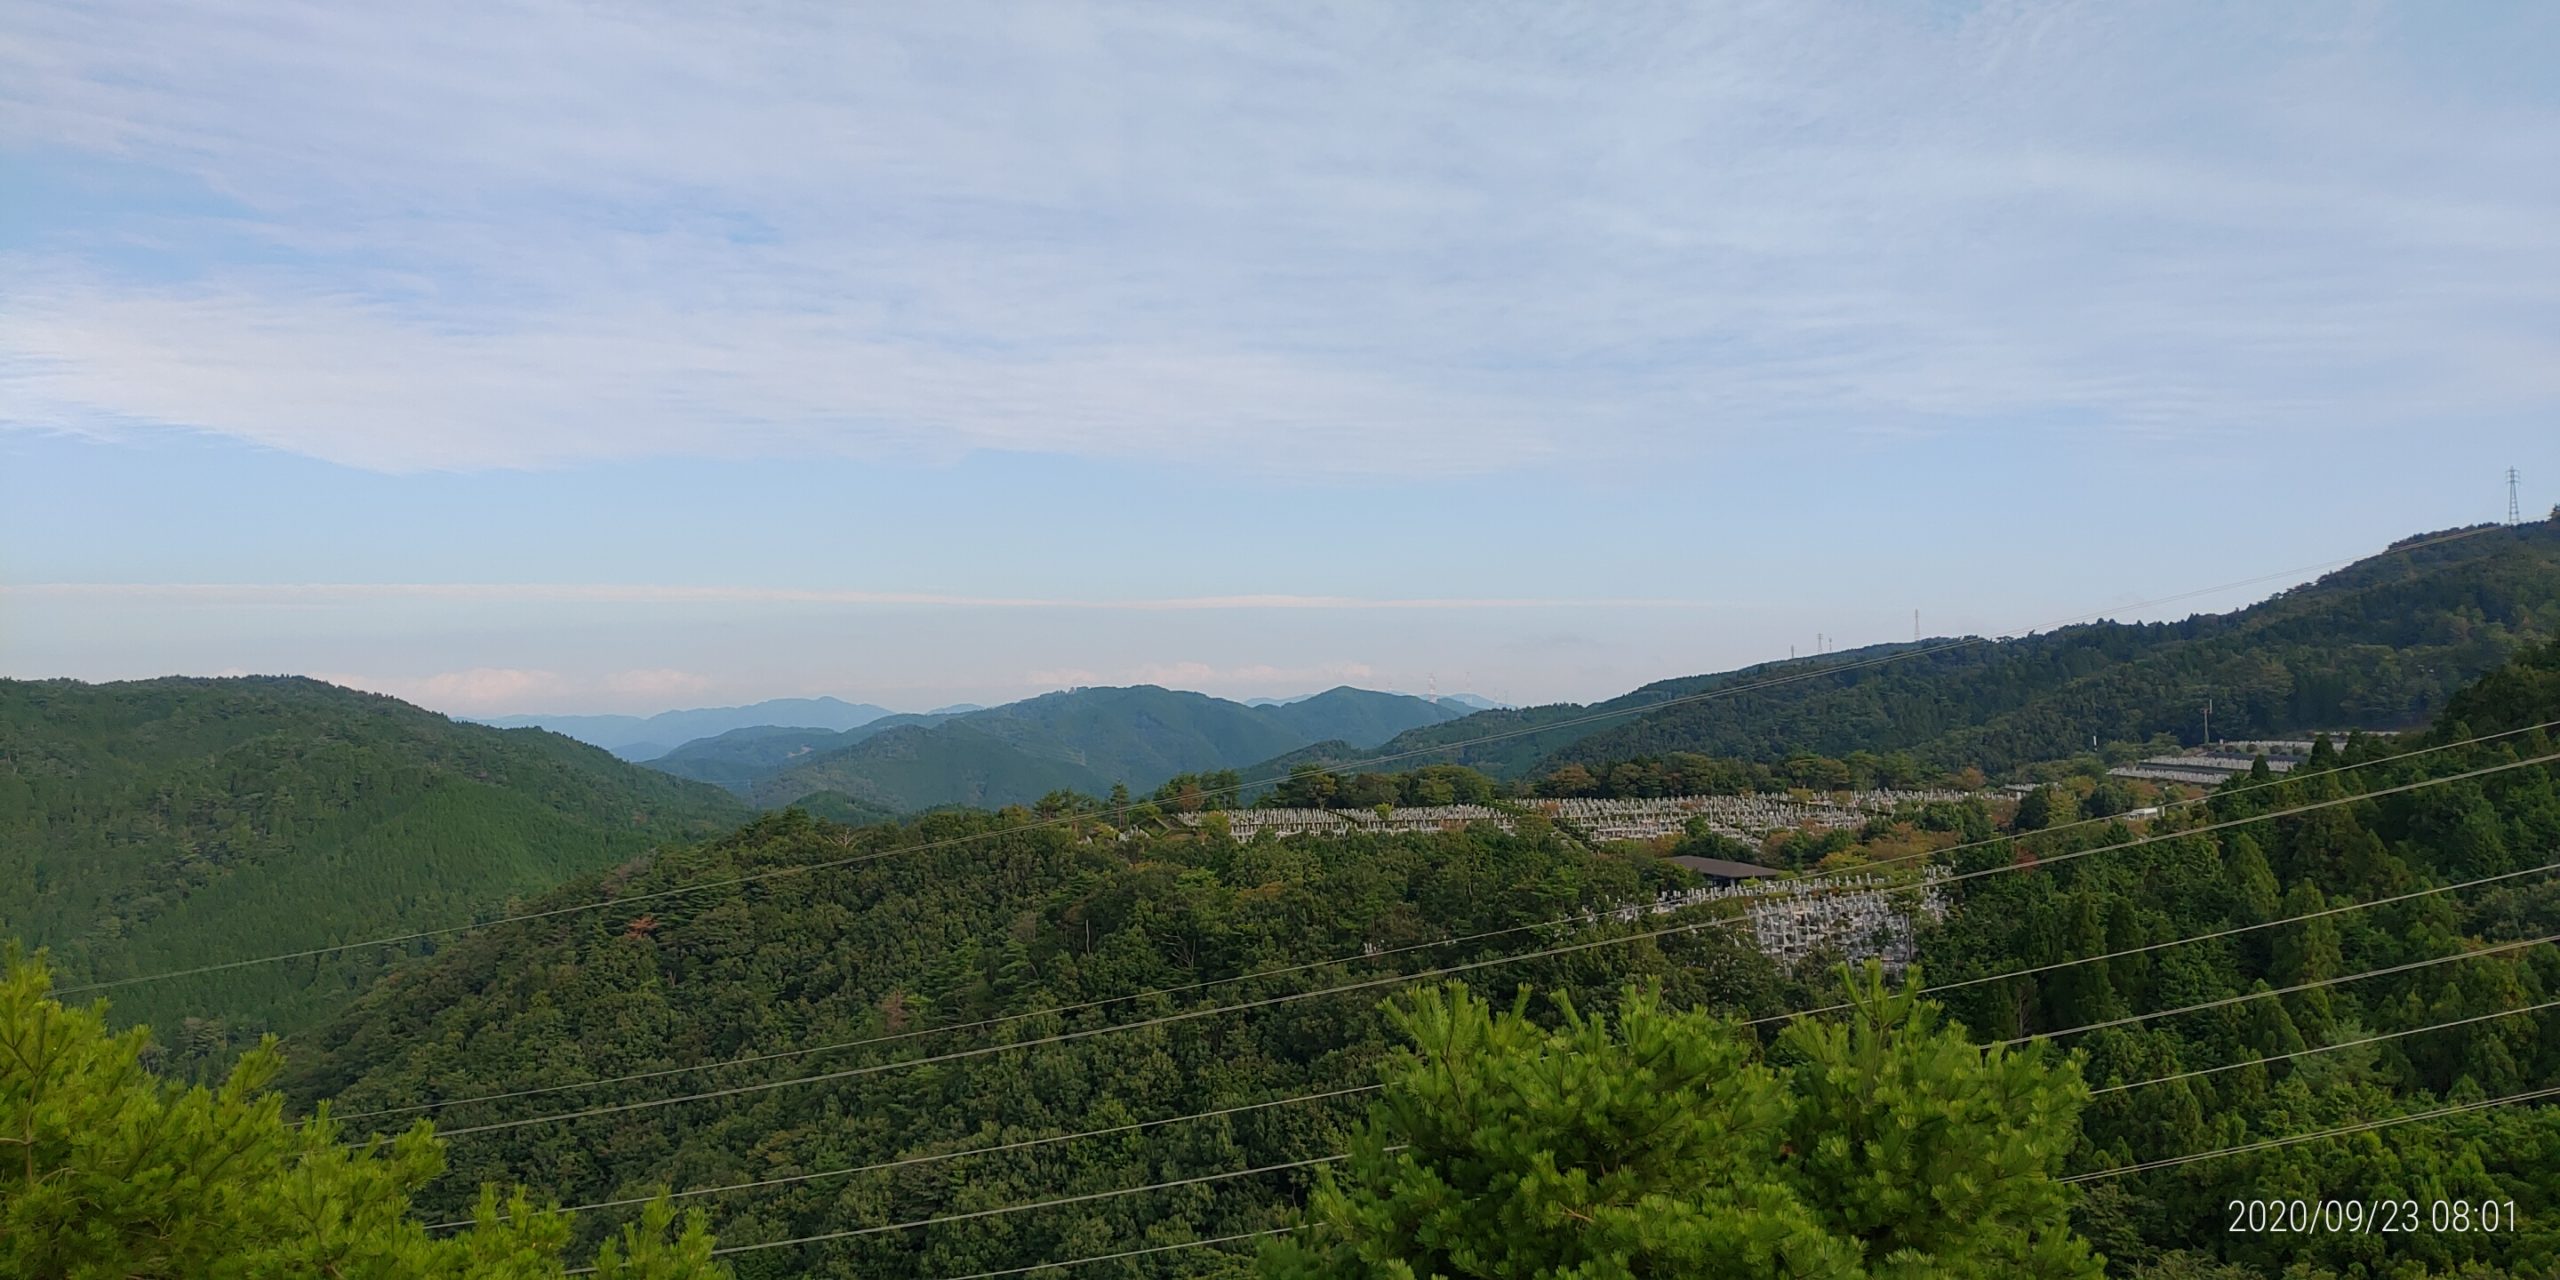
2379	644
668	733
647	737
153	825
1081	740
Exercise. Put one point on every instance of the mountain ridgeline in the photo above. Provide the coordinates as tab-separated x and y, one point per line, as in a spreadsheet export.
765	1028
1083	740
826	1035
648	737
2380	644
163	824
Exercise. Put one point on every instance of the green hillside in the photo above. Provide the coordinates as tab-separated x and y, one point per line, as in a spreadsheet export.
1010	918
2379	644
968	917
916	767
1083	740
737	759
740	758
164	824
647	737
1142	734
1361	717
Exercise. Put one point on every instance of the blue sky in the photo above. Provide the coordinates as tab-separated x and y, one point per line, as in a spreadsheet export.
538	356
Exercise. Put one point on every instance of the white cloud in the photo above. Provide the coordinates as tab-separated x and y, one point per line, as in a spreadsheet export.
494	690
478	689
296	594
657	682
1375	240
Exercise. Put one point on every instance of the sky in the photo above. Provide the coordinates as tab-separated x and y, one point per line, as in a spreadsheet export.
535	356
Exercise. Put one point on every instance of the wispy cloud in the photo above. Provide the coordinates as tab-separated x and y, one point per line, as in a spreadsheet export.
486	690
290	594
479	689
1383	242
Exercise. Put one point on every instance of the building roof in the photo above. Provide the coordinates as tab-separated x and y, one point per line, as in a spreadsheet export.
1721	869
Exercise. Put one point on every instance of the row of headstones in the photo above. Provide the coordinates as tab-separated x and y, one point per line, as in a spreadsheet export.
1737	816
1859	917
1245	823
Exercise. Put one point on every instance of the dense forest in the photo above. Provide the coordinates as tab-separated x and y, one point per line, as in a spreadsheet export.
970	932
741	758
978	917
2380	644
164	824
2233	882
799	1003
118	1172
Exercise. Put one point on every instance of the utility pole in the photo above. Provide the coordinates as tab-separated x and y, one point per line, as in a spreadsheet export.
1915	626
2515	514
2208	720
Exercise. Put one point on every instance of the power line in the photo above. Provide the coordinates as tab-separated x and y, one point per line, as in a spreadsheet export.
2366	1126
1722	691
1188	1015
939	1157
1128	1253
1352	1091
2326	1048
980	1051
2169	1162
2342	1131
1001	1210
2293	1140
2296	989
1206	984
2233	931
1088	1197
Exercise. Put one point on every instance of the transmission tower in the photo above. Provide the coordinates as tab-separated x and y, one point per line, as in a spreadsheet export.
2515	514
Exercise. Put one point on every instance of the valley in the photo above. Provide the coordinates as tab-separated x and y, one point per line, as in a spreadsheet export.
1088	961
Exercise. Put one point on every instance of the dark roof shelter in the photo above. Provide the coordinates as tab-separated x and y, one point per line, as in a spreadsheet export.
1724	871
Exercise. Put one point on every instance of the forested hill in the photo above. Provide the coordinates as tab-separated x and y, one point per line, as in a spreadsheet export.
2379	644
1084	740
741	758
646	738
163	824
958	918
961	918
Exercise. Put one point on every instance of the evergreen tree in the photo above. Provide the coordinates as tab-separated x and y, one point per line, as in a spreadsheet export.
1659	1143
112	1171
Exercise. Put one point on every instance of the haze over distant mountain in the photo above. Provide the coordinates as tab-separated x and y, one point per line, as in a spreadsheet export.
1463	702
792	936
741	757
1081	740
646	737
